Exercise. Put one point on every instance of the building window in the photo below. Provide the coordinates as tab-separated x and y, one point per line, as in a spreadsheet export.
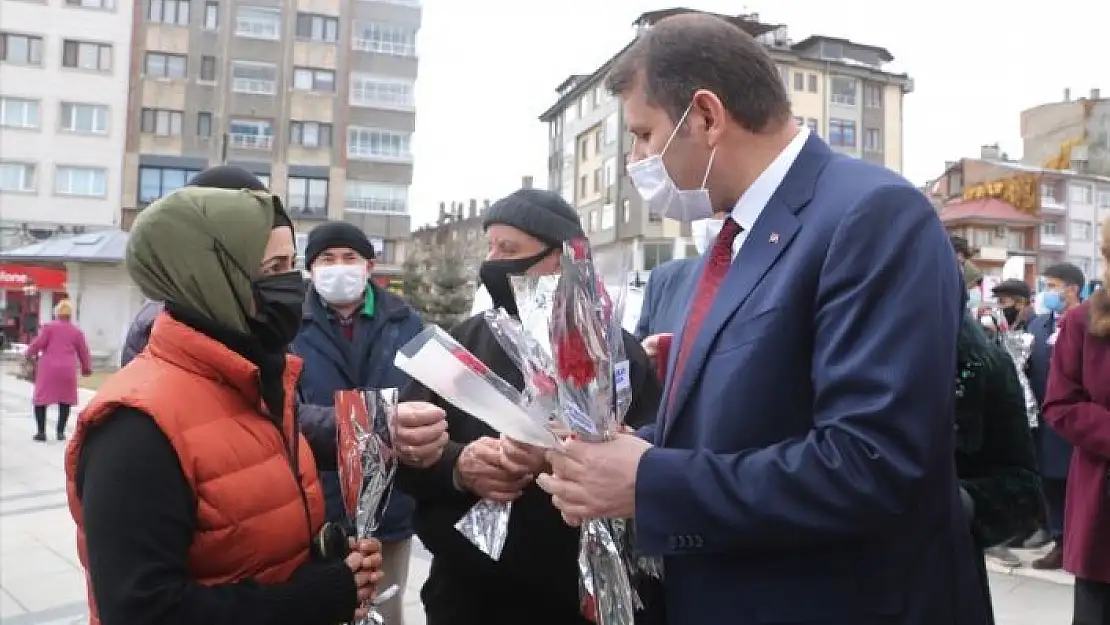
155	182
873	96
308	195
310	134
982	238
609	175
1104	200
161	122
597	181
204	124
207	69
371	144
873	140
382	92
87	55
86	119
1079	194
811	123
252	77
258	23
583	186
608	217
373	197
813	83
21	49
1015	239
320	28
103	5
17	177
784	74
1048	194
1081	230
175	12
162	65
81	181
251	134
656	254
799	81
843	91
842	133
1048	228
211	15
384	38
1083	263
612	128
19	113
307	79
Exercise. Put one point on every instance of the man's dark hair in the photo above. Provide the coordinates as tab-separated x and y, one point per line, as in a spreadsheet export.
681	54
1067	273
961	245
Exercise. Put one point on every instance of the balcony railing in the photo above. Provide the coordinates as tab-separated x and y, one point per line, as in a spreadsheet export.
1050	203
251	142
379	46
1053	240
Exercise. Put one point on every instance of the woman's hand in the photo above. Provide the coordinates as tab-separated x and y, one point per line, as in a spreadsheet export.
365	562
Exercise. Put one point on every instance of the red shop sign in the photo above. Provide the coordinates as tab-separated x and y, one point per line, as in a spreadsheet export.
15	277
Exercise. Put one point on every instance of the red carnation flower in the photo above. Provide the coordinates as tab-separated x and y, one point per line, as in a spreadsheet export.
572	360
588	608
543	384
580	249
471	362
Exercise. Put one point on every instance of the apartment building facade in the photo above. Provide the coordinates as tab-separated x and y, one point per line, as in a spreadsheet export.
1006	208
316	97
1073	133
63	115
838	89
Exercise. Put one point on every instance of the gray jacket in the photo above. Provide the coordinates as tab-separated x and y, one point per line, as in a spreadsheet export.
317	422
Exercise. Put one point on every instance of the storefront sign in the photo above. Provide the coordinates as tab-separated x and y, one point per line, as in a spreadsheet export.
15	277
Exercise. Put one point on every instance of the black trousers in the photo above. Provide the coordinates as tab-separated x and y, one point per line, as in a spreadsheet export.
40	418
1055	494
1092	603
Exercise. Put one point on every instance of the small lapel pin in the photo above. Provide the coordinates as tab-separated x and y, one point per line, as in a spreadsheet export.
774	237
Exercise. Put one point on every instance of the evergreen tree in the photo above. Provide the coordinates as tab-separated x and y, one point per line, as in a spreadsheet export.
450	287
413	285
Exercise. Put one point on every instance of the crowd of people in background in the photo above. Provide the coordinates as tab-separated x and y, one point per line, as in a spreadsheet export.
854	472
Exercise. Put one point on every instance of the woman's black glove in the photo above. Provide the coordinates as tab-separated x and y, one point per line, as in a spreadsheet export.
332	541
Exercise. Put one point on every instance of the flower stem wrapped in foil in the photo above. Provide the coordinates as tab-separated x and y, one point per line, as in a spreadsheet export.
1020	346
594	389
367	464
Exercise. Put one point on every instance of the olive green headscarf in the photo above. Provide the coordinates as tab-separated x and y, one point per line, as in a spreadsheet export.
192	246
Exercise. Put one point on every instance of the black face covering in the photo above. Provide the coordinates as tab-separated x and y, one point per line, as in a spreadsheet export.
280	300
494	275
1011	314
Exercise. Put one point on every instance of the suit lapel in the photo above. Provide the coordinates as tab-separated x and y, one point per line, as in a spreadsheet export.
769	237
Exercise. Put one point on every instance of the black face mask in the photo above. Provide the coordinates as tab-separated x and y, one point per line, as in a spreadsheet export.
280	301
494	275
1011	314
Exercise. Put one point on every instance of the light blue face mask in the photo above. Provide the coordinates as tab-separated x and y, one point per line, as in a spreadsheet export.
1054	301
974	299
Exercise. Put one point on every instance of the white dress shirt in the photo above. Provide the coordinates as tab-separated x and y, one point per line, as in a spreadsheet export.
754	200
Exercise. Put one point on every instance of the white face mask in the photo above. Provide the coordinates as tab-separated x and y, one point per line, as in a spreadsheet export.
340	284
705	231
660	193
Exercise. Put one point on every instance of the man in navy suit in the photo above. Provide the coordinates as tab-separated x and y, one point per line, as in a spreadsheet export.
801	469
662	311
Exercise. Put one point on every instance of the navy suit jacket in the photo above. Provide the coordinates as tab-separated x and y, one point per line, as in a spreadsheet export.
662	311
1053	452
805	472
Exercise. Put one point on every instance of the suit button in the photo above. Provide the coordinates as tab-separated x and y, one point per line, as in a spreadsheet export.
698	541
674	542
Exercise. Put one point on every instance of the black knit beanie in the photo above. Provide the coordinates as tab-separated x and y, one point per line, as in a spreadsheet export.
337	234
542	214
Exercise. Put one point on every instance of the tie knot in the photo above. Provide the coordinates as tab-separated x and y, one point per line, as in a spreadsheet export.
727	235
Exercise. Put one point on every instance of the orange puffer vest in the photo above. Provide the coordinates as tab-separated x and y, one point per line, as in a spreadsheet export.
255	517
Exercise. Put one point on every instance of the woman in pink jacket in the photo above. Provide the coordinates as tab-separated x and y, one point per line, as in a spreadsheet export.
60	347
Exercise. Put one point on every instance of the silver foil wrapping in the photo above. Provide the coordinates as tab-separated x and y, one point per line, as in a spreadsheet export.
367	464
1020	346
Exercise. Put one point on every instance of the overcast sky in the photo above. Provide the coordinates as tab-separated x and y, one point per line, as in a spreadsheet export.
488	68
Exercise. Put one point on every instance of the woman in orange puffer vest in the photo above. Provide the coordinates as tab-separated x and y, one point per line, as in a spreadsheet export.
195	497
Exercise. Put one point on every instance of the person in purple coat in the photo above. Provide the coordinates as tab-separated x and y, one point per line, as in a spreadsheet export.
59	348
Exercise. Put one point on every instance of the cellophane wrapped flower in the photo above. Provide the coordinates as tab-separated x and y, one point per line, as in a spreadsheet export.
592	378
1019	345
367	463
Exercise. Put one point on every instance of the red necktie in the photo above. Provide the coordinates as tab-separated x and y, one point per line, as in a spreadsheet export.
720	258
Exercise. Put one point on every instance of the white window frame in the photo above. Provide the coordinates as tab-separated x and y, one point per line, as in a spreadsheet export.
361	139
68	116
34	48
384	38
28	176
843	99
313	75
96	5
877	146
1080	194
256	86
168	12
253	22
322	28
382	92
64	182
376	198
1102	198
163	122
1049	228
298	200
162	62
211	15
1083	227
84	53
29	122
261	140
612	128
299	133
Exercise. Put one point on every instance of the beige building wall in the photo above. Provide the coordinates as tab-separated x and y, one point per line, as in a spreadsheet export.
892	123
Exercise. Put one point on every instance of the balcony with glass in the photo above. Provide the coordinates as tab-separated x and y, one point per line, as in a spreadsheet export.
1051	202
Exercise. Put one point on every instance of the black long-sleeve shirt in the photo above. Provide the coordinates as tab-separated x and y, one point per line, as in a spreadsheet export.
536	579
139	522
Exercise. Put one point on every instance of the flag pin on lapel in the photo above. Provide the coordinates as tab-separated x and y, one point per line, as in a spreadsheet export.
774	237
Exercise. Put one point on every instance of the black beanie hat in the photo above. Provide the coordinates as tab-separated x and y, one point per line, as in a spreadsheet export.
337	234
235	178
542	214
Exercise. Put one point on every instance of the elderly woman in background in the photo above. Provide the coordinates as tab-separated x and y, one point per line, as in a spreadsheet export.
58	349
1077	406
196	499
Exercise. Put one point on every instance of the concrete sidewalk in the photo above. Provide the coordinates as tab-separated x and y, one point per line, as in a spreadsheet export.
41	582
